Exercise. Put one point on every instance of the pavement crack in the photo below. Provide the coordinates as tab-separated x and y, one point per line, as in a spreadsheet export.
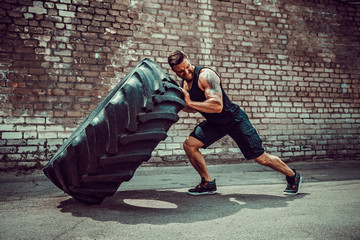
68	230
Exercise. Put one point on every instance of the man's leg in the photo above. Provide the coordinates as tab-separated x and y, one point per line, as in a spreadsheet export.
207	185
191	147
202	136
292	177
250	144
275	163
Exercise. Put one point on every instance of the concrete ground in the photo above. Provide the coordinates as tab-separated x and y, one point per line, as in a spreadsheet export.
154	205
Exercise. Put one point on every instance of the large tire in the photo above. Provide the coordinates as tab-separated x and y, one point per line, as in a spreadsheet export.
118	135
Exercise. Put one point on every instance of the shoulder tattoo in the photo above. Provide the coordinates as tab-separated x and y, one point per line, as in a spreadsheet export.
214	86
213	82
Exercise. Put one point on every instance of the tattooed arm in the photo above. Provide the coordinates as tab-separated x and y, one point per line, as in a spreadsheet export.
209	82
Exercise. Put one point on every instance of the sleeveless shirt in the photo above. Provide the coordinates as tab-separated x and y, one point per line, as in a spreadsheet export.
229	111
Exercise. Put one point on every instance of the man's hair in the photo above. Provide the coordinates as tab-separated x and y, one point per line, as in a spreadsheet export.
176	57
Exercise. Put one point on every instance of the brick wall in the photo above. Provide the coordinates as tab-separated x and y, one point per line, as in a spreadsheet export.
293	66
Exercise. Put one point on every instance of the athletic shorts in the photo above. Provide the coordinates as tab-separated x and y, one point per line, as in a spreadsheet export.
241	130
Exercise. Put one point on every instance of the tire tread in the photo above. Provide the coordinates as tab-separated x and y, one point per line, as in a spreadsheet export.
120	134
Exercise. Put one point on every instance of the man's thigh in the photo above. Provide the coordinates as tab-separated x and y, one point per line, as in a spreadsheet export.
207	133
247	138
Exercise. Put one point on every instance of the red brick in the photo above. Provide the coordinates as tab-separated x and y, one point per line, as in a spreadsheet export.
267	64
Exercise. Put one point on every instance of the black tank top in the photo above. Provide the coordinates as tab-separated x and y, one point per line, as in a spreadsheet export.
229	111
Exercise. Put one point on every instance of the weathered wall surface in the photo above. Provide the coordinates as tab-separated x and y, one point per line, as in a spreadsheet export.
293	66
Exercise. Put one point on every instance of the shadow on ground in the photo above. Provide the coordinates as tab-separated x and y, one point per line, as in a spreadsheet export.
164	207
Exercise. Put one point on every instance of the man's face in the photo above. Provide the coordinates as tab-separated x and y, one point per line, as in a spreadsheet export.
184	70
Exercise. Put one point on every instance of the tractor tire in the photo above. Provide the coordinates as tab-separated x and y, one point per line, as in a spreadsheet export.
118	136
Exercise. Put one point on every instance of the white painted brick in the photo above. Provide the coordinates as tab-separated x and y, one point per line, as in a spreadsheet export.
264	77
156	35
179	139
234	150
160	146
220	150
56	141
178	152
48	135
14	120
264	66
172	133
70	129
287	154
27	149
12	135
31	120
33	156
207	151
61	6
26	128
30	135
7	127
63	13
53	148
250	22
36	141
172	146
168	140
54	128
190	121
64	135
163	153
38	8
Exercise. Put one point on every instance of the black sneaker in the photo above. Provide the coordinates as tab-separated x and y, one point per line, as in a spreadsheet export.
293	185
205	187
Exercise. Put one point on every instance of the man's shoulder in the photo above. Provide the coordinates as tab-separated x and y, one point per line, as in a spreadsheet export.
207	74
205	70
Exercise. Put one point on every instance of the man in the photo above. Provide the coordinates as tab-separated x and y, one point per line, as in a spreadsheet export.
203	92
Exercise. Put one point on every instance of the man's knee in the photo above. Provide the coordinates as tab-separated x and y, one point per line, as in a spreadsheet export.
266	159
186	146
192	144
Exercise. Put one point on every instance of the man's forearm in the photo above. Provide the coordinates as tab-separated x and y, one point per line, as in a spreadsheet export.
189	109
208	106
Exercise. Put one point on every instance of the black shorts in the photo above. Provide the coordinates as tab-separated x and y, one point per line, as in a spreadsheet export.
241	130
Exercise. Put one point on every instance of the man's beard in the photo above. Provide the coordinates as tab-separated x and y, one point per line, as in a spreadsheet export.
189	80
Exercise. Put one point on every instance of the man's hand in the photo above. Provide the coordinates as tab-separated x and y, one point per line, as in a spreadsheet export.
187	100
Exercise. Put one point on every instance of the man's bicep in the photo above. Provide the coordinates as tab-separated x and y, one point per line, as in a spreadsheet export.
211	84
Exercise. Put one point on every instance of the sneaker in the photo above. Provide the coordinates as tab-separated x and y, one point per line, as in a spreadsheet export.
293	185
205	187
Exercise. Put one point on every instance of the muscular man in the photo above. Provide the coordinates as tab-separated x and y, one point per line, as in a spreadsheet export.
203	93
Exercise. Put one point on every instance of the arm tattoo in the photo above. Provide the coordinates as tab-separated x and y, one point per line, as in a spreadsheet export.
214	85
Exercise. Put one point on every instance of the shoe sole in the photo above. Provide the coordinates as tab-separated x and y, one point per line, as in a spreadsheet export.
201	193
288	193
